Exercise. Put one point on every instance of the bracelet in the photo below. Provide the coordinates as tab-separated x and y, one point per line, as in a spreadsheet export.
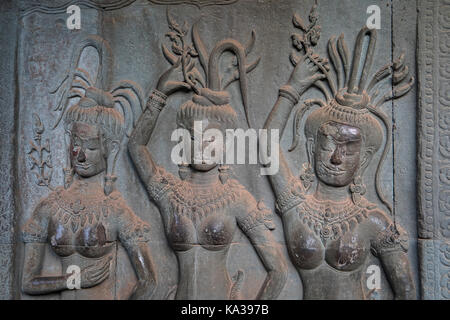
157	100
110	177
159	94
289	93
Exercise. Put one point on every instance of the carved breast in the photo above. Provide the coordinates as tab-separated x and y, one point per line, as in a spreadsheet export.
80	225
333	236
89	241
201	217
306	249
347	253
308	252
213	232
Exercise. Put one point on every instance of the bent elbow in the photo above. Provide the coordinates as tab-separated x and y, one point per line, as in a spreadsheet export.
29	288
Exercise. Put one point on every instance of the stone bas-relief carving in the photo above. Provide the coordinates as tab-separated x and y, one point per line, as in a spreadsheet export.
199	3
203	207
201	213
83	220
331	231
40	154
119	4
433	155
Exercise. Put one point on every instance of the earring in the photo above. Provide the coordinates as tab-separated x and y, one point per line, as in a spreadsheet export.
183	170
224	173
68	177
358	189
109	184
307	176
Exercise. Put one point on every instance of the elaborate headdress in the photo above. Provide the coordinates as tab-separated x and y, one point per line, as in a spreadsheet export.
352	99
210	100
97	106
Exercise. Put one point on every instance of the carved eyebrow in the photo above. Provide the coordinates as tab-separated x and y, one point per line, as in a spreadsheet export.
347	139
354	131
85	138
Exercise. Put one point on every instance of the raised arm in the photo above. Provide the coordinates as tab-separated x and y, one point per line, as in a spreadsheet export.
137	145
170	82
305	74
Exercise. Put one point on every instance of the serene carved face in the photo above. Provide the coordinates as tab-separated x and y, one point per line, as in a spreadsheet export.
210	146
87	154
337	153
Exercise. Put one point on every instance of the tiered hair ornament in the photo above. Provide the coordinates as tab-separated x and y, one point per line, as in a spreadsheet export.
210	100
114	110
352	97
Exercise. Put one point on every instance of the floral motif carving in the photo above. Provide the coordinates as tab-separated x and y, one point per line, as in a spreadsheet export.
40	155
434	100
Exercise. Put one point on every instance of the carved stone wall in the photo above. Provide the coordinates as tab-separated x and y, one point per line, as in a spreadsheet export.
433	187
9	20
36	53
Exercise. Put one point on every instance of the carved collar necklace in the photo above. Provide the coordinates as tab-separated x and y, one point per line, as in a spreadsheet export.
331	220
197	201
82	205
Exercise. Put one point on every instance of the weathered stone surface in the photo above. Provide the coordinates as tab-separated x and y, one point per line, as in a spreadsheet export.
433	133
8	134
405	115
434	268
7	271
38	52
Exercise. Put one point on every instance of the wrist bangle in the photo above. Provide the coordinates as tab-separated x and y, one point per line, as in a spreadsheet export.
159	94
289	93
157	100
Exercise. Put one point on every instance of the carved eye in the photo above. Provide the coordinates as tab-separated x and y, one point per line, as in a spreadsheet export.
328	147
92	147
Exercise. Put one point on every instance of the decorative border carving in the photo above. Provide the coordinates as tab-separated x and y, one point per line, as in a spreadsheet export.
115	5
198	3
434	148
426	123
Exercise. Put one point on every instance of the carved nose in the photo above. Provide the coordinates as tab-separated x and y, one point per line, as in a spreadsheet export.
81	156
336	158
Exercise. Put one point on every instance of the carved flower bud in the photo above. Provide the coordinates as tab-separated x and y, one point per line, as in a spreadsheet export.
314	35
38	127
297	41
172	35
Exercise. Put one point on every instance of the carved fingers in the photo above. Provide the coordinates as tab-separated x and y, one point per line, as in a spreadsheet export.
308	70
174	78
